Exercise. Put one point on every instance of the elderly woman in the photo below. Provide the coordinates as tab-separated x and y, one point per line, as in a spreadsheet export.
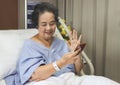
47	60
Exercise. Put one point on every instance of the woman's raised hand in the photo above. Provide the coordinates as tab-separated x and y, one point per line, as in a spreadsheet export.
74	42
74	47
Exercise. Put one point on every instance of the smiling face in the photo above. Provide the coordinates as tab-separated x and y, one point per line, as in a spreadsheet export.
46	25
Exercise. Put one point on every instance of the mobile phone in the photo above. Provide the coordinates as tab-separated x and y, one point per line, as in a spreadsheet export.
82	46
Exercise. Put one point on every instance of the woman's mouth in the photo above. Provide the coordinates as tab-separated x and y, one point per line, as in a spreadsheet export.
48	32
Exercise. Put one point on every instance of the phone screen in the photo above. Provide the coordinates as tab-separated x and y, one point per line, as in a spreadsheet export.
82	46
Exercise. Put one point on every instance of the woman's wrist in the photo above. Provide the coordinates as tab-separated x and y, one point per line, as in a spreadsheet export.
56	66
60	63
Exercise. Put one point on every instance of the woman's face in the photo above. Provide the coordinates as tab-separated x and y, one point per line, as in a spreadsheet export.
46	25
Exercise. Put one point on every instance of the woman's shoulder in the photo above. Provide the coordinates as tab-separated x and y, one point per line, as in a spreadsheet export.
29	43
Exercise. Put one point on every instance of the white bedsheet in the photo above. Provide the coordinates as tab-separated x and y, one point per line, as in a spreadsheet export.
2	82
72	79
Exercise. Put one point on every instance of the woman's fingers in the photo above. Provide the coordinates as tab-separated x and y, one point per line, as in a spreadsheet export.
70	57
75	34
71	37
76	52
74	55
78	43
33	77
74	40
80	38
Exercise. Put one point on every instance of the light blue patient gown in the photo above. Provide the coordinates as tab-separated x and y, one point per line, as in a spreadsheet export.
33	55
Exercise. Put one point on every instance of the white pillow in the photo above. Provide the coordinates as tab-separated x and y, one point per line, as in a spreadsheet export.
11	42
2	82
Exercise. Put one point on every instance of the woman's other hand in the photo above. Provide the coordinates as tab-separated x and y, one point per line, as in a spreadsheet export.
70	58
74	42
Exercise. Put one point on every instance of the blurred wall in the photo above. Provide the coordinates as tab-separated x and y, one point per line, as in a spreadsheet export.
99	22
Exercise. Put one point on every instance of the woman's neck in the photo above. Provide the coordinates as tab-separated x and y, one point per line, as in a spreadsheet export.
46	42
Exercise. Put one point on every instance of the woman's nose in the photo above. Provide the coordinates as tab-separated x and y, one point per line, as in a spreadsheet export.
48	26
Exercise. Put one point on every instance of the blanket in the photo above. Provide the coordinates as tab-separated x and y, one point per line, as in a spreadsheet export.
71	79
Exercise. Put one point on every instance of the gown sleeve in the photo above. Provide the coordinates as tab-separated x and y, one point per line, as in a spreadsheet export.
30	59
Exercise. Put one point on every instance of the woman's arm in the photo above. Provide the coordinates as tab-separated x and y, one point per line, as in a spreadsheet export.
45	71
74	44
78	65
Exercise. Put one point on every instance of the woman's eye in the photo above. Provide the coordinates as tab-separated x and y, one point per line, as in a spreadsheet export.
51	24
43	24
